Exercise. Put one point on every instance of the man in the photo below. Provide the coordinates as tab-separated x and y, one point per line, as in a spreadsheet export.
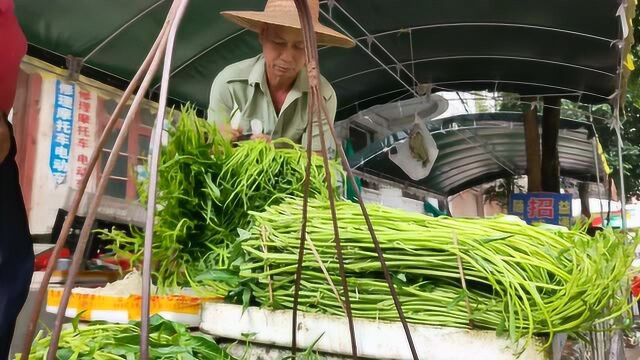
16	249
272	88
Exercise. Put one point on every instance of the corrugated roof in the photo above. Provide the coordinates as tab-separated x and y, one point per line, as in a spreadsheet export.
477	148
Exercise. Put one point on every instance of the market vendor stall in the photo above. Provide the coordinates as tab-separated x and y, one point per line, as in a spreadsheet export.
262	223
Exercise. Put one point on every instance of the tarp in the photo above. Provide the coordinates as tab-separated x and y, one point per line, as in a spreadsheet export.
530	47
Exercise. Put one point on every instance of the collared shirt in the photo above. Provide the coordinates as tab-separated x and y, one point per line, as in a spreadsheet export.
241	88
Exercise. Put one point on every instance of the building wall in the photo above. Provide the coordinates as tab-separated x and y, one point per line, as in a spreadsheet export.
45	194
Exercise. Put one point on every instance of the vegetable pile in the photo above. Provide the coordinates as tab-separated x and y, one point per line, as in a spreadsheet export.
521	280
206	188
103	341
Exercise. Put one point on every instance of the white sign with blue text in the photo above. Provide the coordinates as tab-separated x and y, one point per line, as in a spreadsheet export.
63	108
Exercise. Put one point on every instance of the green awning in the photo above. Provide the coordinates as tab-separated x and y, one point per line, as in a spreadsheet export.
529	47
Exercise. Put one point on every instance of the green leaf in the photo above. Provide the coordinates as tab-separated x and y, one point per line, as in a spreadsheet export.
246	296
127	339
248	336
122	349
156	320
243	234
456	300
205	346
226	276
64	354
76	320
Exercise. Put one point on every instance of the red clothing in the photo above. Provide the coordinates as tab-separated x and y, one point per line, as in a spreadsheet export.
13	47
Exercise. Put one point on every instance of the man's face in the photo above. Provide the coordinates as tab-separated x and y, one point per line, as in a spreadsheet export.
283	50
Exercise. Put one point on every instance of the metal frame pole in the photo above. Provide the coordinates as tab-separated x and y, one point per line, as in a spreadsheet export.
153	180
66	227
91	215
596	158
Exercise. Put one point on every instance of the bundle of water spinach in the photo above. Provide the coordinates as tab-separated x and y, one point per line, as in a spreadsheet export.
206	187
104	341
521	280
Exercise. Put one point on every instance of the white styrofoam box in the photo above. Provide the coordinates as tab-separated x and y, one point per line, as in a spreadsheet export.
375	339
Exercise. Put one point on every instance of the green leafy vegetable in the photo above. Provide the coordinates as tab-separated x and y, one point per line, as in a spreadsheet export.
522	280
206	188
99	340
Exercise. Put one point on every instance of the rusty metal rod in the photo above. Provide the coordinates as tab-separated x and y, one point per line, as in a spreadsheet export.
77	199
374	239
336	231
312	62
153	180
303	231
316	103
93	209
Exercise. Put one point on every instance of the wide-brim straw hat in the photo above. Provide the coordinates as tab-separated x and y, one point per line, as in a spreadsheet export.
285	13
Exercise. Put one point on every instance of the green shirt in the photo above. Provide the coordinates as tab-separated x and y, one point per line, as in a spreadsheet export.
242	87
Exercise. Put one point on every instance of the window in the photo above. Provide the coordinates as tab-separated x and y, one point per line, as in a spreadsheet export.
133	153
360	138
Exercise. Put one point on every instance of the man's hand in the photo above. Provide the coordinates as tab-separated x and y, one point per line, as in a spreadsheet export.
264	137
5	139
229	133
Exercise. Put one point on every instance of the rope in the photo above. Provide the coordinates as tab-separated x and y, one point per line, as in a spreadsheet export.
263	243
325	272
462	280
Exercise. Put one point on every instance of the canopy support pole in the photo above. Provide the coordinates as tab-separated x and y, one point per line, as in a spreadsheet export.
532	145
550	164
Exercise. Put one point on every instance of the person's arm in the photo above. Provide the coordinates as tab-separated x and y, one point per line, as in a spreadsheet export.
5	139
220	108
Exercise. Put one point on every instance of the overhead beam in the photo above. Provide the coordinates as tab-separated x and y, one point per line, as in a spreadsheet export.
528	83
372	40
121	28
465	57
366	50
491	24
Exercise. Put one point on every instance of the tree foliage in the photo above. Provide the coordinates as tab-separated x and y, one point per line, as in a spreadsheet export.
601	116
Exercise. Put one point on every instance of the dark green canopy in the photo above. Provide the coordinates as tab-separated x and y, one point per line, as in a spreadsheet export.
530	47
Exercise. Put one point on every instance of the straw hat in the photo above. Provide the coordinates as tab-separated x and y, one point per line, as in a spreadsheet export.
285	13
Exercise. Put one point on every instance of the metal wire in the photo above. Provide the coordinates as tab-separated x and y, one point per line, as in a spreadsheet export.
121	28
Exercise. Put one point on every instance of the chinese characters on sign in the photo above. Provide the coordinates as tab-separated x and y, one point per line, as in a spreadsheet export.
548	208
62	131
83	134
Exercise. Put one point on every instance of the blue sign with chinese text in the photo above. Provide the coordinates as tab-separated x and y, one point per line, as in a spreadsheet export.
62	130
549	208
